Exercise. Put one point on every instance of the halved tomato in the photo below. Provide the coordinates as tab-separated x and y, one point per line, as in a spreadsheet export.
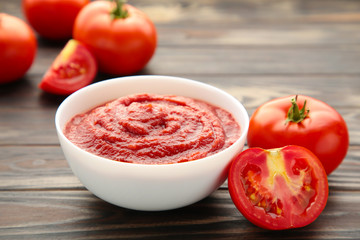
278	188
74	68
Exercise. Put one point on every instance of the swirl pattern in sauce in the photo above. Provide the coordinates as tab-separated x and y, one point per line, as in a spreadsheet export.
153	129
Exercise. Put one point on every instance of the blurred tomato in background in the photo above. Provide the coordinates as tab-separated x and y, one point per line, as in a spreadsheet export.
18	48
53	19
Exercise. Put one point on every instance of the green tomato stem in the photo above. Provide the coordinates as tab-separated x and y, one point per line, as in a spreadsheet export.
295	114
119	11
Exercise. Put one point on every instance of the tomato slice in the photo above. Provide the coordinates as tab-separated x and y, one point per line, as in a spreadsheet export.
74	68
278	188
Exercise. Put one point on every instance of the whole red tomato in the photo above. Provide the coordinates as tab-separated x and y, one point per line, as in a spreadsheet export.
278	188
17	48
315	126
53	19
122	37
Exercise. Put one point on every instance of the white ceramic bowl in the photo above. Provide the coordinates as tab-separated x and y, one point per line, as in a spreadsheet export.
149	187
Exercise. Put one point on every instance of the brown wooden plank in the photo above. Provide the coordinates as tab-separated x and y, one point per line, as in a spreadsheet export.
244	22
251	12
80	215
296	35
45	167
35	167
34	126
338	90
176	61
268	60
269	12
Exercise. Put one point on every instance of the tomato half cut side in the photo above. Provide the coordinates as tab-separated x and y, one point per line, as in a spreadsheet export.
75	67
278	188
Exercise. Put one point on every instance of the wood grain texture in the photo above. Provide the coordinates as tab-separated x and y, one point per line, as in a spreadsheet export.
256	50
44	167
77	214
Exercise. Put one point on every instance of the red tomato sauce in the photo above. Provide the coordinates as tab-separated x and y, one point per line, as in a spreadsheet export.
153	129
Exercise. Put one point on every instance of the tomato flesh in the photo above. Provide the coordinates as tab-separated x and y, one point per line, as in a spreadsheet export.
278	188
74	68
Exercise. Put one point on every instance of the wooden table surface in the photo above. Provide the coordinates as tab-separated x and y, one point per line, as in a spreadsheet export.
256	50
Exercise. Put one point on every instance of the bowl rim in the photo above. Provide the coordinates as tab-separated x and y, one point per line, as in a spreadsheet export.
243	127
